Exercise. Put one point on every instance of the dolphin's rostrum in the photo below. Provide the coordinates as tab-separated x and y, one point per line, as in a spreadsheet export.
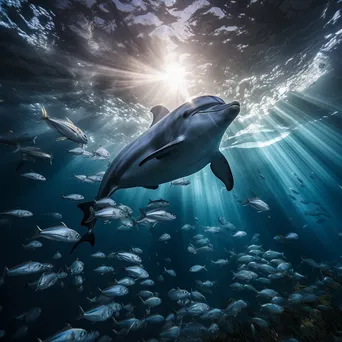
178	144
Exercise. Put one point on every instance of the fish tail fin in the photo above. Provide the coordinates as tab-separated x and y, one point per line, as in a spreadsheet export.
81	312
245	202
44	114
17	148
142	214
37	234
205	268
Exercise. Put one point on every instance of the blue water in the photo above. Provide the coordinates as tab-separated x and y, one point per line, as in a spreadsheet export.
297	134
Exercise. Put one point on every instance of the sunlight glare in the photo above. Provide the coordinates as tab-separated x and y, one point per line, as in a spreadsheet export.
174	76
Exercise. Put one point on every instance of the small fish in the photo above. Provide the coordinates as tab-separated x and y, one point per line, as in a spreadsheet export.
81	178
291	237
33	176
257	204
164	237
235	308
180	182
66	128
197	268
78	151
170	272
17	213
67	334
104	269
272	308
47	280
58	233
101	153
33	245
98	255
31	315
73	197
105	202
239	234
147	282
160	203
220	262
98	314
56	216
76	268
29	267
57	256
137	271
187	227
156	215
108	213
128	257
115	291
127	281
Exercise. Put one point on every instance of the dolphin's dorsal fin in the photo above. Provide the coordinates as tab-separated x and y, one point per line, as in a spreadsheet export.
158	112
69	120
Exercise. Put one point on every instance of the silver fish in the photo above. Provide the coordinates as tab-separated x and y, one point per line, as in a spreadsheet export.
33	245
58	233
34	176
73	197
66	128
29	267
17	213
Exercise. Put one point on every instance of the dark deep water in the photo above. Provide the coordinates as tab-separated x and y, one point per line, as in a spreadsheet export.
98	63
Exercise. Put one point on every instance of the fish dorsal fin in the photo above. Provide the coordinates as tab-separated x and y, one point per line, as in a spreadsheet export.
158	112
63	224
67	119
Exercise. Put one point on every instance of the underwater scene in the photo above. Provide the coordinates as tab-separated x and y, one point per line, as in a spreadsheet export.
171	170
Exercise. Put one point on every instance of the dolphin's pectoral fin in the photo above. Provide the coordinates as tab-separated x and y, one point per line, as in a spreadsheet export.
151	187
158	112
221	169
163	151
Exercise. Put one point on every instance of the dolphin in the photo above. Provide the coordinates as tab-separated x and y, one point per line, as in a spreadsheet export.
177	144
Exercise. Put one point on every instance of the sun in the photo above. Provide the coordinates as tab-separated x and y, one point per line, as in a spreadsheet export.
174	76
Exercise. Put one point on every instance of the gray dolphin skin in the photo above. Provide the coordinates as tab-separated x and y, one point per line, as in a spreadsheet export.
187	138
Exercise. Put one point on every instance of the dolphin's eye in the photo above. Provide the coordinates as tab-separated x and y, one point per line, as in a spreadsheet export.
186	114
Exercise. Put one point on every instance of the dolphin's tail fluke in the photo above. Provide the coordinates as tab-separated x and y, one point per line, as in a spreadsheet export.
89	221
87	237
88	210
